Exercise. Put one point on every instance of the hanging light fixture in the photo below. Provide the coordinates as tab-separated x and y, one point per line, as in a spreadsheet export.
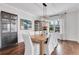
44	11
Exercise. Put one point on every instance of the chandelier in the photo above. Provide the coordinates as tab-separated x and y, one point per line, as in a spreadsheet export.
44	11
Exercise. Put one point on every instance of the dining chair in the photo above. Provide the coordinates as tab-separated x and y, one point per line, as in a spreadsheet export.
52	43
36	48
29	49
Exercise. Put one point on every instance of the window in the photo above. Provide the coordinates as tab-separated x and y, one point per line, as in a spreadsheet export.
54	26
51	26
57	26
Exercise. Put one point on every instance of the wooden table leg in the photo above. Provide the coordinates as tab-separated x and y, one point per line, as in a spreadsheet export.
41	48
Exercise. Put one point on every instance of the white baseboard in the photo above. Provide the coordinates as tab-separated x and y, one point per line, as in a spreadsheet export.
70	40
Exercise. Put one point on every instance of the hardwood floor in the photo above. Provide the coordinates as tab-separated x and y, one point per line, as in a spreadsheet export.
67	48
63	48
17	49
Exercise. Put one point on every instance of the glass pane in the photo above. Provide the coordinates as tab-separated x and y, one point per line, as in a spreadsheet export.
5	25
51	26
5	28
13	17
5	21
13	26
57	26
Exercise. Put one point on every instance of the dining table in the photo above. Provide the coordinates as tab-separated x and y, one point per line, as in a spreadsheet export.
39	39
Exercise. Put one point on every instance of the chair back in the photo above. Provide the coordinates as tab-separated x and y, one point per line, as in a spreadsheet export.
29	50
52	42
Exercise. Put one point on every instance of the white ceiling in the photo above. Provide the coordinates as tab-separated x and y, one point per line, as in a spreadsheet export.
52	8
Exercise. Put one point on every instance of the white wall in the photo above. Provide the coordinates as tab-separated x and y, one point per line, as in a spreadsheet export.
21	14
71	26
